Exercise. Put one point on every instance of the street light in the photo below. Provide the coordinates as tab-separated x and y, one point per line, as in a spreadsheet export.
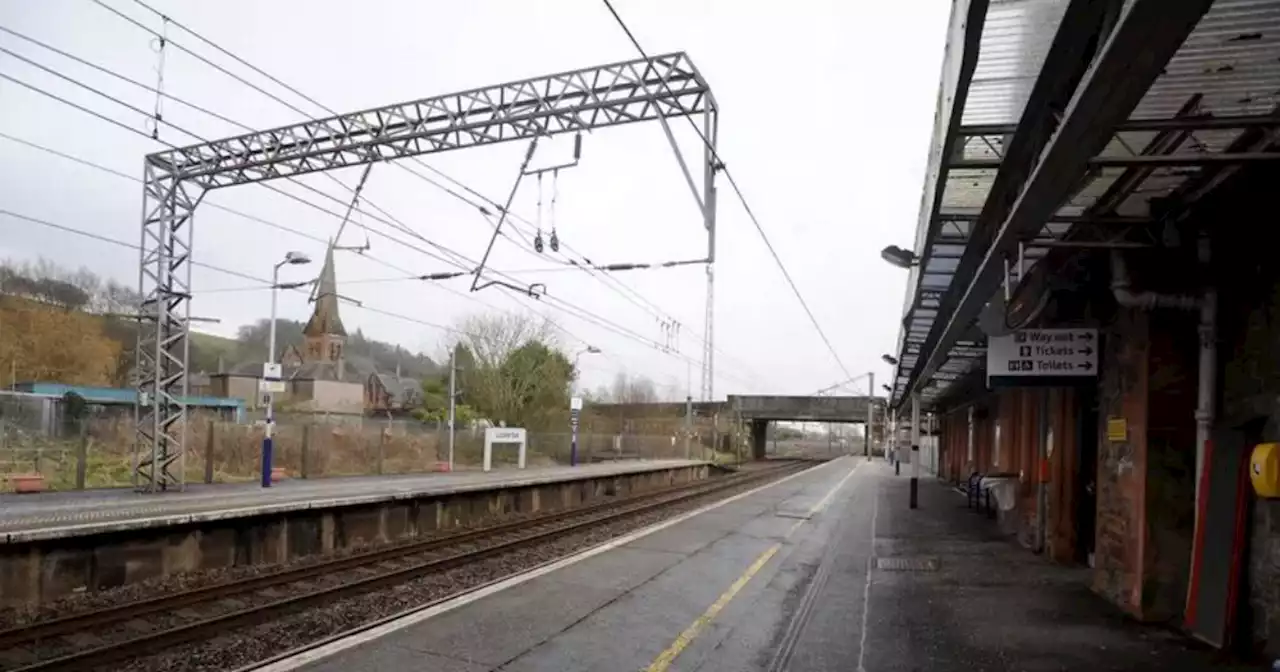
899	257
589	350
292	259
889	359
575	408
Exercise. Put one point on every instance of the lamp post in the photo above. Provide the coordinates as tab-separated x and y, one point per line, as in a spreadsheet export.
915	450
575	407
271	370
893	425
589	350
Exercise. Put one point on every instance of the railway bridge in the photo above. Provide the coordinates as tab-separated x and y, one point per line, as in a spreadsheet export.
753	413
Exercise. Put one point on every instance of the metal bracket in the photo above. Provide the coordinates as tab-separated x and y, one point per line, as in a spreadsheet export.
535	290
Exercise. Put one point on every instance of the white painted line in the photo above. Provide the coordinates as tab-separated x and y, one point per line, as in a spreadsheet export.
415	617
866	587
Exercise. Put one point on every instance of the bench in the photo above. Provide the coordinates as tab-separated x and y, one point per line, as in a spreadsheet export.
978	493
978	496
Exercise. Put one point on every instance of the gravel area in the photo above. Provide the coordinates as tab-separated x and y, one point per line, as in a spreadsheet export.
88	601
248	645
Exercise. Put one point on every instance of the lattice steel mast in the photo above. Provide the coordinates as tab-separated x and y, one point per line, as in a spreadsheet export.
175	181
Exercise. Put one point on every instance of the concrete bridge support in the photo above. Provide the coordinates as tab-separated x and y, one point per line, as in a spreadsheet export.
759	438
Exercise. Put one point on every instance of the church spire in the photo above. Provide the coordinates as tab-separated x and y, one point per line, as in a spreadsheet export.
324	317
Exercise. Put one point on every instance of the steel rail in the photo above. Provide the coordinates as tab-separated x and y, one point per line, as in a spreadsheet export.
95	657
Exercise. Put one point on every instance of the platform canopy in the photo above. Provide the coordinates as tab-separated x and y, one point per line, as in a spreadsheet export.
1064	122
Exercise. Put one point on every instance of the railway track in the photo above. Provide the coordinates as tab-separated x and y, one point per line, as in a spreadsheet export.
97	638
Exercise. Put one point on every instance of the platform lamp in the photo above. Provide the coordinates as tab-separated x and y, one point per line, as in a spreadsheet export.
892	361
892	416
902	258
573	412
271	371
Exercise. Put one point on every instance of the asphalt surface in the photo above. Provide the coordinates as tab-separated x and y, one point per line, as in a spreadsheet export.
829	570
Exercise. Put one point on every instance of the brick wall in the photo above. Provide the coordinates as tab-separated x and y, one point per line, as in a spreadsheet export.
1121	485
1063	475
1249	330
1171	463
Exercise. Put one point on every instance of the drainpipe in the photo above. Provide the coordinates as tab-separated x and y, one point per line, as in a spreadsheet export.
1207	306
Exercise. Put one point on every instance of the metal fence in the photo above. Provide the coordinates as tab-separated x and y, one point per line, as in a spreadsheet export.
97	451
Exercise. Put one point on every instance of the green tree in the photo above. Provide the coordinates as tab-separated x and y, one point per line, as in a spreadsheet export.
512	372
435	404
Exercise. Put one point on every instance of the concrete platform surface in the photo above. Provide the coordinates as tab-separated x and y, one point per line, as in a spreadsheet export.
30	517
827	570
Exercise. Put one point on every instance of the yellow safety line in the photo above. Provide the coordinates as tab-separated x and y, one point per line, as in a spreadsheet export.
663	661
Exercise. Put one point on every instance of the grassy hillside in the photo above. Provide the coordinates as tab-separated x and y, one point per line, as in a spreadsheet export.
215	345
74	327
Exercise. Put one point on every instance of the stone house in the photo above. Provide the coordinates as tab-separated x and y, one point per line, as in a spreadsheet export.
392	394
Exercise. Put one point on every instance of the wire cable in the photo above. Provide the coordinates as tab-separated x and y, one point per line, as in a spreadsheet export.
605	278
567	308
266	284
741	198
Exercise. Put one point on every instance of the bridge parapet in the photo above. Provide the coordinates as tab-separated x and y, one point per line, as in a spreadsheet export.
810	408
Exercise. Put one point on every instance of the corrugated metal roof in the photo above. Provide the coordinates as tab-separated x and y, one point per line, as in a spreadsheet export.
1231	61
1015	41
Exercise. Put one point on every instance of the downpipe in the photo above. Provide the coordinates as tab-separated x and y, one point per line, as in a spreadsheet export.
1207	306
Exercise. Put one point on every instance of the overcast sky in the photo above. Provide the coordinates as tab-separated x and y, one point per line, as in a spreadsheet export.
826	109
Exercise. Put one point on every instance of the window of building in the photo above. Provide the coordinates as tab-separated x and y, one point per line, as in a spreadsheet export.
335	351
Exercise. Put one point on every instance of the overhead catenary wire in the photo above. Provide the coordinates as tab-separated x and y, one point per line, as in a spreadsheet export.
605	278
591	318
266	284
562	306
294	108
266	222
389	222
558	304
741	198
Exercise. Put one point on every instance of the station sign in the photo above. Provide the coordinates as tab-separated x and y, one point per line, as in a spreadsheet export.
271	381
1043	356
504	434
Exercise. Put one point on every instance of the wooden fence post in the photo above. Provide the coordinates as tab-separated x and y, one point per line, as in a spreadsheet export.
210	442
306	450
382	442
82	453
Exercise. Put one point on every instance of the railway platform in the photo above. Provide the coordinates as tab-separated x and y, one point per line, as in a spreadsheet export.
51	515
824	570
56	544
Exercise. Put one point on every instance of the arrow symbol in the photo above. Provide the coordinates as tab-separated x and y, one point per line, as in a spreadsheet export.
1086	366
1086	336
1086	351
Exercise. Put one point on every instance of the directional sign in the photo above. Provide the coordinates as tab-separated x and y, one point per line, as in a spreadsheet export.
1043	353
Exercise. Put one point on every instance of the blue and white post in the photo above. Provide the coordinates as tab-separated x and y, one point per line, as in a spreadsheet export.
270	383
575	410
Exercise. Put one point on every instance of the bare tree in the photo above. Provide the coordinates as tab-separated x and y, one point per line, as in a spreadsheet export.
633	390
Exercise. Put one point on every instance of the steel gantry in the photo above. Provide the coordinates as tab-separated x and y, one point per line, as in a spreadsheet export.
177	179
